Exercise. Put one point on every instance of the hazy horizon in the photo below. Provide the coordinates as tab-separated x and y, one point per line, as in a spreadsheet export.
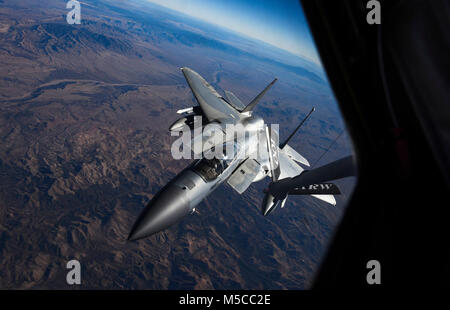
280	24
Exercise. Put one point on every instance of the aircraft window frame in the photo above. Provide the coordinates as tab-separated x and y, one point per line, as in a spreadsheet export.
210	172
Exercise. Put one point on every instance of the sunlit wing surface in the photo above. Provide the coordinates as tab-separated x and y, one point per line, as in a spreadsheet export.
213	105
327	198
289	169
293	154
244	175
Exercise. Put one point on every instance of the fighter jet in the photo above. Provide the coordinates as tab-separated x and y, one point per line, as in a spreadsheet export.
251	158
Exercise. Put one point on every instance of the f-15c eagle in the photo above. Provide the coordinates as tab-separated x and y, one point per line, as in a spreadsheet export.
245	164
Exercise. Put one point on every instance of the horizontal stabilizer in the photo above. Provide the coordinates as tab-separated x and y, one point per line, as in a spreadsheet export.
288	167
294	155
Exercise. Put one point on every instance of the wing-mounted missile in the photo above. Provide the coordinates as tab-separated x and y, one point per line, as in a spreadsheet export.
185	123
186	111
192	116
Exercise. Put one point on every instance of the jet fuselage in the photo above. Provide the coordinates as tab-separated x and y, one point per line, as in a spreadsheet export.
182	194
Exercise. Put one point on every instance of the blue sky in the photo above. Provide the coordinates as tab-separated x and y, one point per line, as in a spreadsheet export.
280	23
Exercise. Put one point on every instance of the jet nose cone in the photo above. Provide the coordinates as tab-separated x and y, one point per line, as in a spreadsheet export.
268	204
168	207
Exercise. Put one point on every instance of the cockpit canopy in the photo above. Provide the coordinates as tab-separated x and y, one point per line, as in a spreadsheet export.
215	162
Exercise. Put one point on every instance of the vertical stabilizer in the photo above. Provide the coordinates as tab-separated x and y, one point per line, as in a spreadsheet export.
253	103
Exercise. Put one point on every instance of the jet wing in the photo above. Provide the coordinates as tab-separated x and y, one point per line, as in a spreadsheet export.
244	175
213	105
